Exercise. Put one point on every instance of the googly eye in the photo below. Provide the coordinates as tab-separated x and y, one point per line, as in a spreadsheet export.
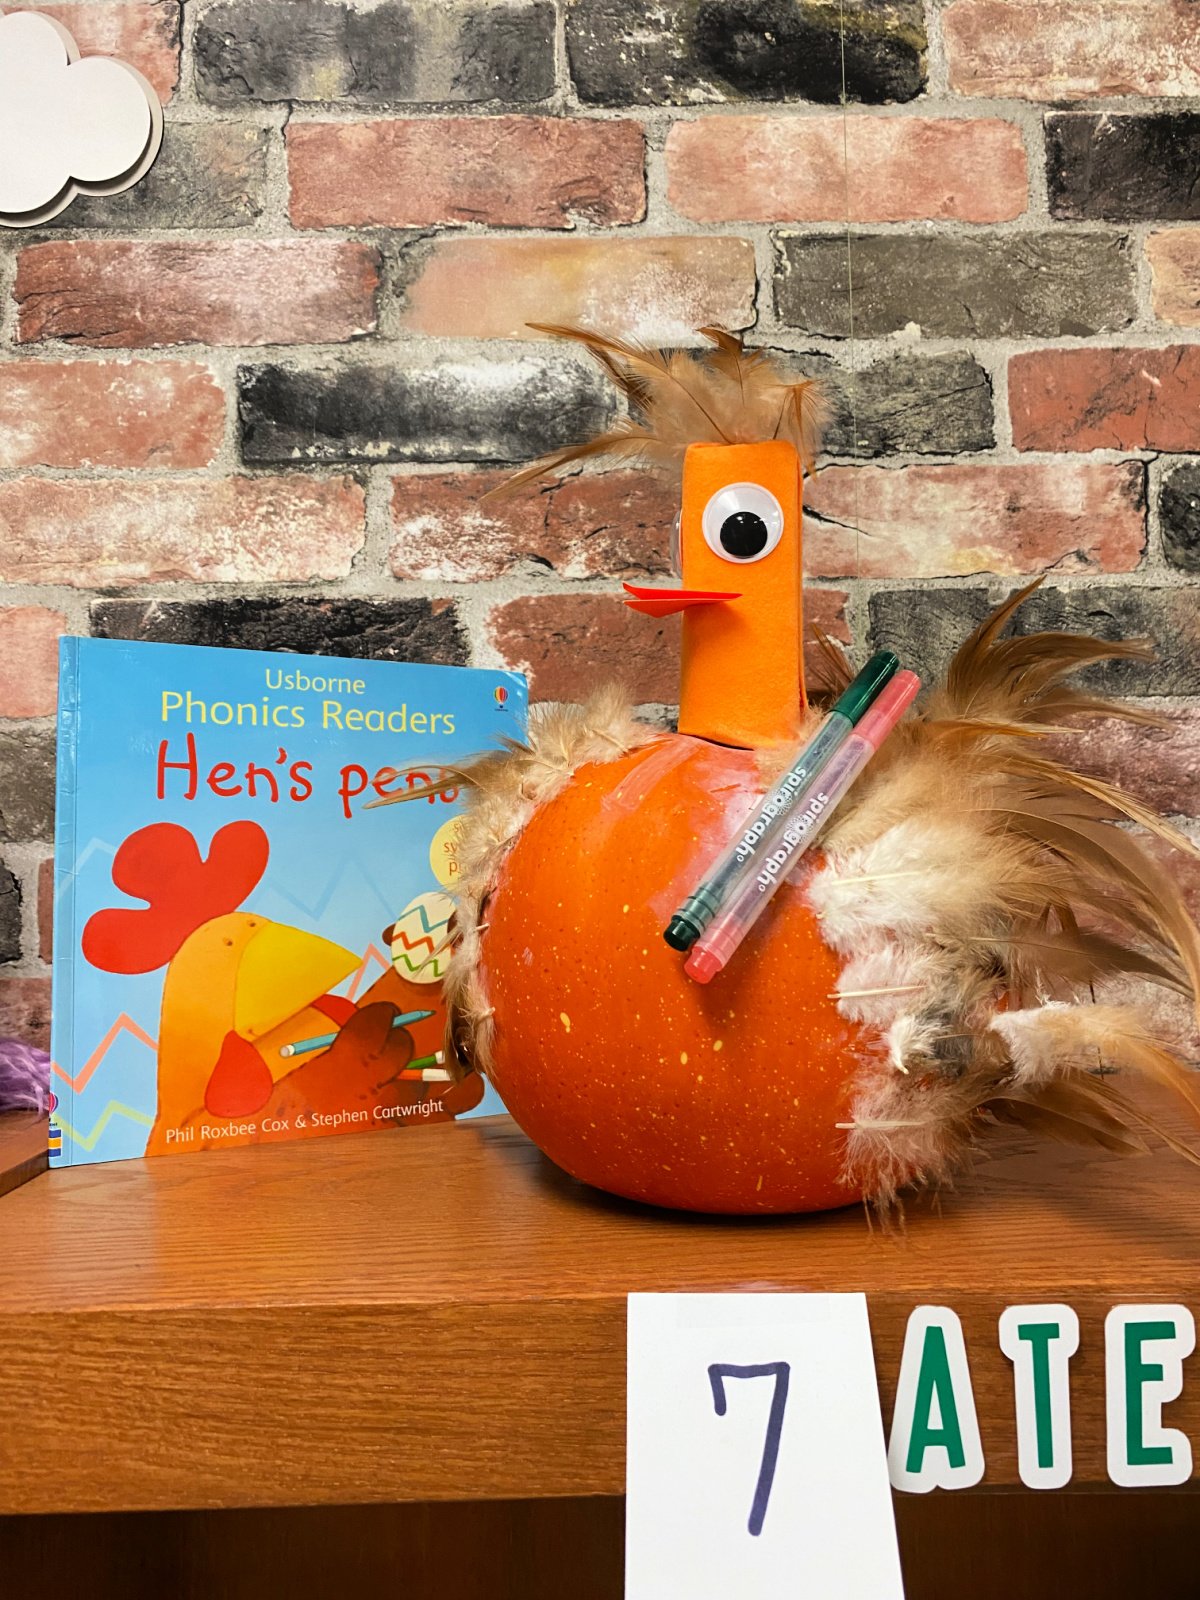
742	522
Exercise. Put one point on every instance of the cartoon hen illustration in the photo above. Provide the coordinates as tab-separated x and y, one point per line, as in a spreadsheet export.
240	987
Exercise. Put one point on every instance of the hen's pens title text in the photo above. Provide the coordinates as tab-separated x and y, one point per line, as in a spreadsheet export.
281	778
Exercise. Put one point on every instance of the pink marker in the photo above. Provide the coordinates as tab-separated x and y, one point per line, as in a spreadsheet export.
808	815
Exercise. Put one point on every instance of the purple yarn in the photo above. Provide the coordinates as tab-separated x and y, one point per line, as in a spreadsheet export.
24	1077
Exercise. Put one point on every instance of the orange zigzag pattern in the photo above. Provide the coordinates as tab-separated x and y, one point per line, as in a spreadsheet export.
123	1024
356	983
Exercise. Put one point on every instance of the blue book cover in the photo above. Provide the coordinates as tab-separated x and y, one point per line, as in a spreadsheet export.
246	947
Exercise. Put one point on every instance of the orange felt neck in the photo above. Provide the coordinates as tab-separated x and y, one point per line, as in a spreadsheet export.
742	672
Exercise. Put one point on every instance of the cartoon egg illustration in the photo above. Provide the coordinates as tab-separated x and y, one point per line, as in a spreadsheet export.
419	939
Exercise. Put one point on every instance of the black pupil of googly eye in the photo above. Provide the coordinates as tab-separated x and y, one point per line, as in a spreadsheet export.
744	534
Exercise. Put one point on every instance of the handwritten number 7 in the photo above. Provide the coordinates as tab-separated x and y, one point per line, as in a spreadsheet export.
781	1371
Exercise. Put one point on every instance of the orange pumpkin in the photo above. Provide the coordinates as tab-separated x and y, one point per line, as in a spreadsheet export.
720	1097
725	1097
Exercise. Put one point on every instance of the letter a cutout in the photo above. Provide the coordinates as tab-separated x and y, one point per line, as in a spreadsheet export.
935	1440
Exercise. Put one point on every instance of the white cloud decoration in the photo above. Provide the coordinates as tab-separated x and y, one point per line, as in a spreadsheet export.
67	126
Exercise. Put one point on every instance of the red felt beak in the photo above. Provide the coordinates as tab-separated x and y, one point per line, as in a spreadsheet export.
665	602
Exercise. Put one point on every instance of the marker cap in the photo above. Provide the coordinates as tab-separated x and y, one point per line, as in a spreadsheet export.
889	708
867	685
703	965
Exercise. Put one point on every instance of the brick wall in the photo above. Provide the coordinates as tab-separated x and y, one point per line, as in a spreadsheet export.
256	400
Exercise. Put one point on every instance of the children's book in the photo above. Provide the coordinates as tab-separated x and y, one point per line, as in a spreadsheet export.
247	946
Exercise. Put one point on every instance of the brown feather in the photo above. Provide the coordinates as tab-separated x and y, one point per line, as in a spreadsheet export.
1072	958
1116	800
834	671
1037	899
626	442
1069	1127
677	398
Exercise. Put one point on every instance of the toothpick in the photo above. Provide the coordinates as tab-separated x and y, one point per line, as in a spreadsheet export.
860	994
609	738
438	950
876	1124
881	877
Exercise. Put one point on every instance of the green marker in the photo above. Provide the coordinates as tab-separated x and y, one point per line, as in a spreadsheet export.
738	862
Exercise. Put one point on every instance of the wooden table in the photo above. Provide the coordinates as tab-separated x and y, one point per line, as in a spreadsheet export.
22	1148
439	1316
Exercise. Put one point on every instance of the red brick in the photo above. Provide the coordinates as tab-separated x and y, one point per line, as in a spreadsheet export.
109	414
112	293
1114	399
25	1010
794	169
1159	766
1071	49
29	638
1174	258
655	290
146	36
506	172
45	908
611	525
949	521
293	529
445	533
570	643
601	525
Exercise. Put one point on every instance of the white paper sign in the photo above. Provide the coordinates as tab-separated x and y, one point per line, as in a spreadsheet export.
756	1466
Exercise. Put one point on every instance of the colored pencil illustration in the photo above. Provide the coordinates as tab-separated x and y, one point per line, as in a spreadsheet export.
324	1040
426	1069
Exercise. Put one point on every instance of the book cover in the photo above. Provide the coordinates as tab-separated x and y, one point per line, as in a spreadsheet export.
246	949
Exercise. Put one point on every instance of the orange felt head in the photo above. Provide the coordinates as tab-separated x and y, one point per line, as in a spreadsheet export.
742	678
741	436
742	670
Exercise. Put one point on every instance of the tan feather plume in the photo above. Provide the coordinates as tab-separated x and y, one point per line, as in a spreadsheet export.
725	395
1041	900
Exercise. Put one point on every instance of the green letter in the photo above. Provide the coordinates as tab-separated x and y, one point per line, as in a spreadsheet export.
1140	1450
1038	1336
1040	1340
1138	1373
934	1380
